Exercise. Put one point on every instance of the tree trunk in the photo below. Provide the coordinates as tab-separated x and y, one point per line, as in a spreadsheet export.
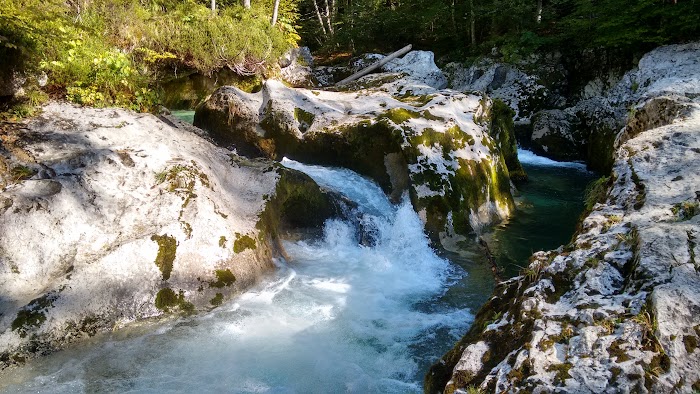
320	19
452	17
275	10
213	6
328	18
538	18
472	22
246	3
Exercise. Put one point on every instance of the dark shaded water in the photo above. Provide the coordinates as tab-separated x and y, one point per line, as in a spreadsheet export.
548	211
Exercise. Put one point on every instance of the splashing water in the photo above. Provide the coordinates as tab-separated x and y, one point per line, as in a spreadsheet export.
338	317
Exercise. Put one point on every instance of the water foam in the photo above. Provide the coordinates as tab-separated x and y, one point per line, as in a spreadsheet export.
528	157
338	317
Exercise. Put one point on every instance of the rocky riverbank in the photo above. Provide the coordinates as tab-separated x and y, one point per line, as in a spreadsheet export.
617	309
108	217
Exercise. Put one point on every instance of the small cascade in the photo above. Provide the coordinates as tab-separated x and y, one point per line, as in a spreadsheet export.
365	309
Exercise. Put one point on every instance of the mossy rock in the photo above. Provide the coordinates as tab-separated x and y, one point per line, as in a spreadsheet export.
298	203
167	249
188	91
502	130
472	185
217	300
501	342
33	315
229	120
362	147
167	300
242	243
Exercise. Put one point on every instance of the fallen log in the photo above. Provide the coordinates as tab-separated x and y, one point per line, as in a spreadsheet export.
376	65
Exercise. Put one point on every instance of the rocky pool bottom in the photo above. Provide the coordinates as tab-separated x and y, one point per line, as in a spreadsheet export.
340	316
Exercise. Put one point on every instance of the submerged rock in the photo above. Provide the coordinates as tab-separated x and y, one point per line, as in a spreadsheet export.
109	217
437	145
618	309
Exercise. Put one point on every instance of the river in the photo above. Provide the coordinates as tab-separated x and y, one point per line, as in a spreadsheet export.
340	316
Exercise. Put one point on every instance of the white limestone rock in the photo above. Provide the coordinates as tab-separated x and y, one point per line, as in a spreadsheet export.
117	199
625	292
435	142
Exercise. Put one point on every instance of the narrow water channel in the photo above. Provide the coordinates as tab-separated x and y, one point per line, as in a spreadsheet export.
340	316
548	210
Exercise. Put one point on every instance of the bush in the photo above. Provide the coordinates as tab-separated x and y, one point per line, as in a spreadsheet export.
113	52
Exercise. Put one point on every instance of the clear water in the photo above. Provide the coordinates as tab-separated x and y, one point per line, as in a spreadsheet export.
338	317
184	114
549	207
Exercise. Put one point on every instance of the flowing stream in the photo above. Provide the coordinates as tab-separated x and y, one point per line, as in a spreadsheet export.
365	309
338	317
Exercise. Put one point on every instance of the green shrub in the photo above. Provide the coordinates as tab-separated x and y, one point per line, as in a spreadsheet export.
596	191
113	52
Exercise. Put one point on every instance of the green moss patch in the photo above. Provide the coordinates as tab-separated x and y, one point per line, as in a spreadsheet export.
562	372
33	315
217	300
449	141
615	350
167	299
167	247
686	210
502	130
639	186
242	243
399	115
690	342
305	119
223	278
596	191
21	173
415	100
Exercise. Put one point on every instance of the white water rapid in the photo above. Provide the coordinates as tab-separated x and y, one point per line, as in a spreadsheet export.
528	157
339	317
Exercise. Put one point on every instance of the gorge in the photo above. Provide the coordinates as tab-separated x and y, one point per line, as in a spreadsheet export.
310	278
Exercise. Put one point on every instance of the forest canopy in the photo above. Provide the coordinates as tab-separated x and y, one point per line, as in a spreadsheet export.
475	26
111	52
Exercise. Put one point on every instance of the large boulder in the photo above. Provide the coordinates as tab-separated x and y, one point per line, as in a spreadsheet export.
297	68
109	216
558	135
419	66
436	145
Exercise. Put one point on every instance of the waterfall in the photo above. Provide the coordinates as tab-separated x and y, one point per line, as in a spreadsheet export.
340	316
